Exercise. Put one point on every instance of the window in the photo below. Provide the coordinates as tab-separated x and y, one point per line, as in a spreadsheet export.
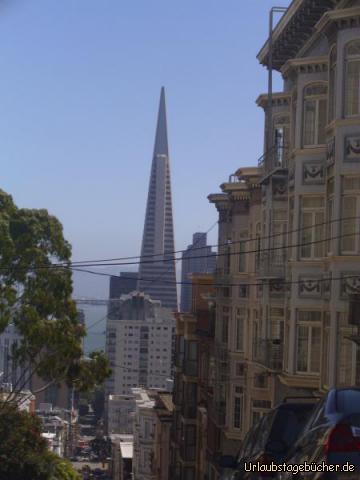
314	117
189	443
239	369
261	380
352	78
329	222
350	228
238	408
312	227
243	291
278	241
242	256
281	139
347	353
240	320
225	325
191	357
227	259
308	342
258	246
332	83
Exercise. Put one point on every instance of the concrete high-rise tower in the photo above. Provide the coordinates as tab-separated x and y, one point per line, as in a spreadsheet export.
157	276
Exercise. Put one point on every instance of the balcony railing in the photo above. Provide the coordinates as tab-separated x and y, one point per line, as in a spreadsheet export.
268	352
275	158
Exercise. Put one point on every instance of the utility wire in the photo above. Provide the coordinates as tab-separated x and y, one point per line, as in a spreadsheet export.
234	242
174	259
267	281
258	250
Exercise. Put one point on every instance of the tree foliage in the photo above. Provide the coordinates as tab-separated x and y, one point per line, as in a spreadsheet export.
35	295
24	453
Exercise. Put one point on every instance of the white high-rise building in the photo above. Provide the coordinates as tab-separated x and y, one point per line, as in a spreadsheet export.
139	344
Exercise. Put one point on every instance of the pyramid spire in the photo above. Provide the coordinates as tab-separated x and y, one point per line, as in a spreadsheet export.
161	141
158	278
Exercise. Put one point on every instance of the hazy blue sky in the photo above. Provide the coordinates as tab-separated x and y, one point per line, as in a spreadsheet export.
79	90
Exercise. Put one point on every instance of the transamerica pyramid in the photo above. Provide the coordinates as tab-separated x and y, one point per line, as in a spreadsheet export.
157	276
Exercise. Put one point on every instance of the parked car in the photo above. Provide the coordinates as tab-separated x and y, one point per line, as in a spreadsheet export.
331	435
271	438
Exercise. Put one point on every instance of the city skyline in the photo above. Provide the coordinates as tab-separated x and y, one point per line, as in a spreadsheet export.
71	133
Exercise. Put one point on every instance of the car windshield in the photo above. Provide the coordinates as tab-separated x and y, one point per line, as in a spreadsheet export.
288	424
249	441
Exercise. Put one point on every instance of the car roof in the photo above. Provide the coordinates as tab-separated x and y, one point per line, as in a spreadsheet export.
343	400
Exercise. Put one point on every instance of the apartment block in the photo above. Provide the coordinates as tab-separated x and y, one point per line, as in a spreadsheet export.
139	344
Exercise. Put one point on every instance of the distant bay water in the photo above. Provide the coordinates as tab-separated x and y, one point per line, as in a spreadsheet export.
95	336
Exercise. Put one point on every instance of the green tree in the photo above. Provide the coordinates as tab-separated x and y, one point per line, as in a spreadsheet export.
24	453
35	295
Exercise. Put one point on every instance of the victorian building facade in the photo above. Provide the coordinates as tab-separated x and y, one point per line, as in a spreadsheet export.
289	240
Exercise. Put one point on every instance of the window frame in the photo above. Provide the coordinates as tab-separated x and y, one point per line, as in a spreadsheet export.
310	325
313	211
317	98
238	409
354	58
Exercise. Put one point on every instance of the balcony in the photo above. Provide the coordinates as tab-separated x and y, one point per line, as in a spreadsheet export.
269	353
275	160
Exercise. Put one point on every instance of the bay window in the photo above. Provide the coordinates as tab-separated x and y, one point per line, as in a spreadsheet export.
314	115
352	78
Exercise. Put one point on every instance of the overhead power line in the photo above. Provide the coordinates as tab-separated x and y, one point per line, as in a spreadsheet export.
259	250
225	254
264	281
216	245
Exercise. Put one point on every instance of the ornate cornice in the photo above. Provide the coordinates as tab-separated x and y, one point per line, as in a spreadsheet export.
279	99
342	18
305	65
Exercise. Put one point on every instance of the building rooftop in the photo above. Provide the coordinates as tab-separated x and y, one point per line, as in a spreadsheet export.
293	30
